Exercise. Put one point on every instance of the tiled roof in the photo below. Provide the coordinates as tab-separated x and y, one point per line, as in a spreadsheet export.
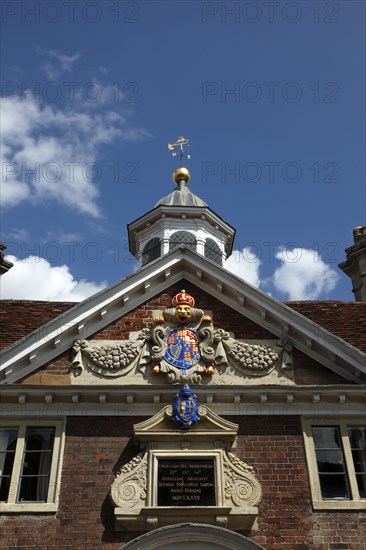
20	317
344	319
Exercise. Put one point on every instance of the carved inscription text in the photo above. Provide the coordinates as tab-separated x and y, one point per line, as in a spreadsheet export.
186	482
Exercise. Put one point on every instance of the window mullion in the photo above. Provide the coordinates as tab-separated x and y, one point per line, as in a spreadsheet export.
18	457
53	479
349	461
312	464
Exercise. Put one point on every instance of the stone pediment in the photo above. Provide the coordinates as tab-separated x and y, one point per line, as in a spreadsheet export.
160	427
87	318
182	345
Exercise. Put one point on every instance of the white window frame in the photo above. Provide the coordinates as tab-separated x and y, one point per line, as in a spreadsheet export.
11	505
356	502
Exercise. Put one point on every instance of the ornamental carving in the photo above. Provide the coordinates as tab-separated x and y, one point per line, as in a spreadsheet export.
241	487
183	345
112	358
194	477
129	488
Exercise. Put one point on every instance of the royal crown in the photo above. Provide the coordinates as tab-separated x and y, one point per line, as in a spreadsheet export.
183	298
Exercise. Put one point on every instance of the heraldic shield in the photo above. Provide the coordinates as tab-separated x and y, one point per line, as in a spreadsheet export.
182	349
185	410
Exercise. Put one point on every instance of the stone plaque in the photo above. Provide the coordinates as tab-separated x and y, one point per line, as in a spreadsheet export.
186	482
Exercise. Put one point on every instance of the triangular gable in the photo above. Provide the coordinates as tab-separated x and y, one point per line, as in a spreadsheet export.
96	312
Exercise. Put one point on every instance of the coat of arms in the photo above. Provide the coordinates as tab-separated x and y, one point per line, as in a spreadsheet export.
181	344
185	410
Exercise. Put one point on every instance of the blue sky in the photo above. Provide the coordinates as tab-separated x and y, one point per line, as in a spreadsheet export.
270	94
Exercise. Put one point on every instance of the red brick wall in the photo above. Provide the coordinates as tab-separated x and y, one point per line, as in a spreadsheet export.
224	316
274	446
97	447
53	372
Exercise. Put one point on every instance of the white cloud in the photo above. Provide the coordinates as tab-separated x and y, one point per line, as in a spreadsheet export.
57	62
59	236
35	279
303	274
58	147
104	70
66	61
16	234
245	264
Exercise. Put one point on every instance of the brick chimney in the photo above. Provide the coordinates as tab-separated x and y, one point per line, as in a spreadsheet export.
355	264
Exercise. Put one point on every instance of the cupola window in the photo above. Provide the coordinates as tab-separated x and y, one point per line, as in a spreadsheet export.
151	251
184	238
212	251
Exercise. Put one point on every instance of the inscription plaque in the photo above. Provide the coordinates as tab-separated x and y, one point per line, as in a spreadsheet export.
186	482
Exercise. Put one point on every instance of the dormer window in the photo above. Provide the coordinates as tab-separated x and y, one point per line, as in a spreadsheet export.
180	238
212	251
151	251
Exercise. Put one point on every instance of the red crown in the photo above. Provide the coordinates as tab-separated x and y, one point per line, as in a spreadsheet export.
182	298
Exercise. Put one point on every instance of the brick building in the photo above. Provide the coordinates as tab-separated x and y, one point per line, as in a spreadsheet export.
149	416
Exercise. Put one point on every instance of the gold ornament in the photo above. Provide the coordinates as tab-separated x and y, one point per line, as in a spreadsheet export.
180	174
206	319
159	320
210	371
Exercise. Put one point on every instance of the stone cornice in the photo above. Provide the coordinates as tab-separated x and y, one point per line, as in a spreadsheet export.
336	400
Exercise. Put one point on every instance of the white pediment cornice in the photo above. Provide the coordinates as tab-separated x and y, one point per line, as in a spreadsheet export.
92	315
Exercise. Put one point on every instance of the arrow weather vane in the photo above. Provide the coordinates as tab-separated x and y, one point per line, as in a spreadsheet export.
181	142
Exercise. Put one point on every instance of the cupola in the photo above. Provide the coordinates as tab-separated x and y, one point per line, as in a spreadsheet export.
180	219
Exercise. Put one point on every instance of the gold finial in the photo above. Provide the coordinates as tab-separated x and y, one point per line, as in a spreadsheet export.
180	174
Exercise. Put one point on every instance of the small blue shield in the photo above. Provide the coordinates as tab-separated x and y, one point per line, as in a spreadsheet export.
185	409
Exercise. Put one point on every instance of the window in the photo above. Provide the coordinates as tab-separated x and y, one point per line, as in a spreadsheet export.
357	436
30	465
180	238
151	251
336	454
212	251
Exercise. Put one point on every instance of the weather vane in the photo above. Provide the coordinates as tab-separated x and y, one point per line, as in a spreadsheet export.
180	143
